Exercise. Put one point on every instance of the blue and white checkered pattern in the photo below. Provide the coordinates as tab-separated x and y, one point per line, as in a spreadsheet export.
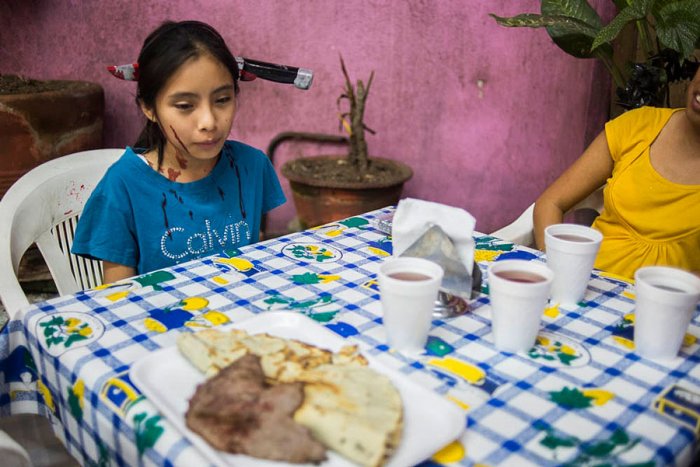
580	396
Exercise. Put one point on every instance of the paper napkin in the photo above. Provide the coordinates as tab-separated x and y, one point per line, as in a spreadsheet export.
414	217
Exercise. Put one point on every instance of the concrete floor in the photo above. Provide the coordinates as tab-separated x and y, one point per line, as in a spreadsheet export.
35	435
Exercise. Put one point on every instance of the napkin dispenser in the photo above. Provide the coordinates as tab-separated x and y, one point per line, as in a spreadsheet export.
458	285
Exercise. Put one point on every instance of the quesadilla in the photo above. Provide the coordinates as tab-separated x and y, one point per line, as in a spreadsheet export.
349	407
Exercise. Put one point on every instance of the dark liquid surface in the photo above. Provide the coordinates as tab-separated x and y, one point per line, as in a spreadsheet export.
573	238
409	276
520	276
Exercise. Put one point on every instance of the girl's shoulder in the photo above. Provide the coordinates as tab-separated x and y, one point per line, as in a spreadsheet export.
123	170
244	155
641	118
239	149
635	130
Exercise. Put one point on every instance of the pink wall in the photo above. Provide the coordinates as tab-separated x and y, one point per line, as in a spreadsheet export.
486	116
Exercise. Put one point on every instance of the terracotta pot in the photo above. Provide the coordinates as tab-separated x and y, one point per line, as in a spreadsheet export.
39	126
320	202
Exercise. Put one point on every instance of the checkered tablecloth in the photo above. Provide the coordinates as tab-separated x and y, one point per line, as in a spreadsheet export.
579	397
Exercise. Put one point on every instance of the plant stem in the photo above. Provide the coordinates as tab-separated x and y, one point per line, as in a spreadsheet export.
357	95
647	44
614	70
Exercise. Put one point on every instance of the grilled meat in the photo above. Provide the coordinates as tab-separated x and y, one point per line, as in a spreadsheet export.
238	412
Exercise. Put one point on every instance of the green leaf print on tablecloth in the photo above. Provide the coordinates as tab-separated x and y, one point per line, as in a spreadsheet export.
147	431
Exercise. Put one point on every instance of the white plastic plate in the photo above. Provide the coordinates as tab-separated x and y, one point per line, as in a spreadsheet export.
168	380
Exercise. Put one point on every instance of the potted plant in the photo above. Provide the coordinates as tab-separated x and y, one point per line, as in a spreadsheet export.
668	32
331	187
41	120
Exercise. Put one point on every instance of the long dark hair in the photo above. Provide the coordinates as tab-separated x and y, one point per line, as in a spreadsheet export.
164	51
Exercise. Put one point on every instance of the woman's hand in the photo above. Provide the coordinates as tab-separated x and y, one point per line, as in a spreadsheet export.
587	174
114	272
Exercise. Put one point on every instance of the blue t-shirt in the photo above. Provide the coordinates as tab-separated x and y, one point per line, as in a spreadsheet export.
139	218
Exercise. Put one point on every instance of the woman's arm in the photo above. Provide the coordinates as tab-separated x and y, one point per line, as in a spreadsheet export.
114	272
590	171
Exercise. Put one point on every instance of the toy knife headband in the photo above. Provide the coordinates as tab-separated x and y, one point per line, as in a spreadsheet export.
250	69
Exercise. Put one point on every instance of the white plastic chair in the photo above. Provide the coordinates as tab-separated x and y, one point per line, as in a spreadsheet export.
521	230
43	207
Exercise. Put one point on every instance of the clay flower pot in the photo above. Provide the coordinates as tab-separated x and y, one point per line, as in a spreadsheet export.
42	120
320	197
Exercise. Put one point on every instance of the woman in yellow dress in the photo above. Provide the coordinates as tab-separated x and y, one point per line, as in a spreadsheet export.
650	160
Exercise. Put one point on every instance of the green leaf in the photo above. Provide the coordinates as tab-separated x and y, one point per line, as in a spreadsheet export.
54	340
55	321
576	9
637	10
566	359
74	405
323	317
599	449
525	20
74	337
575	35
355	222
678	26
147	433
570	398
553	441
620	437
306	278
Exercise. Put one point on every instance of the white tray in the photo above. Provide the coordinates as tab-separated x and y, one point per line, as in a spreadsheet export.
168	380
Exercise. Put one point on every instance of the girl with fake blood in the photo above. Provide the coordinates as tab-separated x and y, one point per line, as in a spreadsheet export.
184	191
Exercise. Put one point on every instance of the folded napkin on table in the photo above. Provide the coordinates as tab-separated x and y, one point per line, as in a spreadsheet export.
414	217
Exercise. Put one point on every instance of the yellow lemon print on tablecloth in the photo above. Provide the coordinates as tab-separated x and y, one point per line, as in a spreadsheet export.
552	311
115	291
208	319
554	347
471	373
334	232
153	325
453	452
194	303
599	396
486	255
46	394
378	252
626	343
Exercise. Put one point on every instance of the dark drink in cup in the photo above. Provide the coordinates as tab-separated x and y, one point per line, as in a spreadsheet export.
409	276
520	276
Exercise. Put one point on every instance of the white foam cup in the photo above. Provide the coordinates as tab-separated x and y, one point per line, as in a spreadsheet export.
519	290
408	289
571	251
665	301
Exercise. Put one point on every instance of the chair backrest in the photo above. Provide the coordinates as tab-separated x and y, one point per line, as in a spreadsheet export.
521	230
43	207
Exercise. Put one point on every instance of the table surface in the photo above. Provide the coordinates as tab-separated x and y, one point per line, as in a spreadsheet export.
580	396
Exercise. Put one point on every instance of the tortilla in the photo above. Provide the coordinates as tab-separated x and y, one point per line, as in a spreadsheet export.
349	407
